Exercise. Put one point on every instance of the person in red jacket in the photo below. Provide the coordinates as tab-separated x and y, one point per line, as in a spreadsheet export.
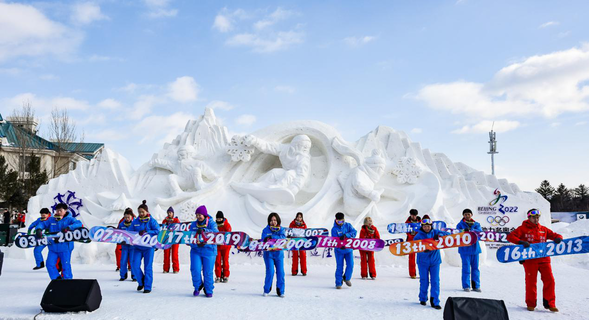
367	257
170	219
532	232
223	252
297	255
413	218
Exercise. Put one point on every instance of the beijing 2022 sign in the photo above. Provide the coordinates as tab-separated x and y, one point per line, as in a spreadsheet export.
497	205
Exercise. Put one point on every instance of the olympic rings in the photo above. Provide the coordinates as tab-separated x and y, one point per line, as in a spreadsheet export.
498	220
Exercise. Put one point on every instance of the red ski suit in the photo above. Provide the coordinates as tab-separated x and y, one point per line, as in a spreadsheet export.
298	254
534	233
222	262
118	251
367	257
173	250
410	236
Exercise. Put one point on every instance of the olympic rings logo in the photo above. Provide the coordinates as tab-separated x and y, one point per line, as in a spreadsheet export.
498	220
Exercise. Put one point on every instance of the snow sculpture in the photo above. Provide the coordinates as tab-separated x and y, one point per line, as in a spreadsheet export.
239	151
406	170
279	185
359	186
188	172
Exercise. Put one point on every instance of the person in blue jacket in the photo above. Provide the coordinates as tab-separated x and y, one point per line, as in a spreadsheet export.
144	224
126	249
62	221
470	254
274	259
202	256
38	251
428	263
343	230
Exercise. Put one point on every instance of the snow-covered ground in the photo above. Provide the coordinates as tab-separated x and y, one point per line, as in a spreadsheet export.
392	296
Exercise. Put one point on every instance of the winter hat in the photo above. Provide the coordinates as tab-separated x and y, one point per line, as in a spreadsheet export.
339	216
220	215
202	210
170	209
426	217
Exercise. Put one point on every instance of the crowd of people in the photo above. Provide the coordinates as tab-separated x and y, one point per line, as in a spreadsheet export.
16	217
209	263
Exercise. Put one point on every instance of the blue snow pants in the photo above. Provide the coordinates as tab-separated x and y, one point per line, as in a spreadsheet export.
346	255
427	273
147	255
205	264
65	257
38	251
274	260
470	266
126	257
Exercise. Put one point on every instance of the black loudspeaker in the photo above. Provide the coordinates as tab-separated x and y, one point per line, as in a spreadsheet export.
474	309
1	261
71	295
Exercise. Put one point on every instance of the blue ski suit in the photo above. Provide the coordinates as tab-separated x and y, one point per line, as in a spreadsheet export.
429	267
202	257
127	251
470	258
342	255
274	260
38	250
150	226
63	250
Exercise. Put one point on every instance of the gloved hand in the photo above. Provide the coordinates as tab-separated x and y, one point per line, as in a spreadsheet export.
342	238
66	229
467	229
30	231
521	262
201	244
557	240
267	238
142	232
524	243
427	250
38	233
436	237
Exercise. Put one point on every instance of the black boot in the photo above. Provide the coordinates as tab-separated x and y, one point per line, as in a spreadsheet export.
41	266
123	278
139	288
423	303
431	300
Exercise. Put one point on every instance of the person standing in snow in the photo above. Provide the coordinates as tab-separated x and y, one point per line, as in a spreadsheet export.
470	255
62	221
299	223
343	230
532	232
38	251
173	251
144	224
222	261
274	259
127	250
428	263
368	231
202	256
413	218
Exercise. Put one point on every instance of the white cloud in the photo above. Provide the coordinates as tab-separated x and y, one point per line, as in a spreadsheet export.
92	120
160	9
276	16
267	43
45	105
26	31
152	127
564	34
48	77
286	89
130	88
10	71
486	125
358	41
581	123
222	23
86	13
143	106
109	104
555	124
69	103
184	89
216	104
416	130
246	120
545	85
549	24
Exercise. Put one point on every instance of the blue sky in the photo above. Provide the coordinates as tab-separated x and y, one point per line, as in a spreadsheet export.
132	72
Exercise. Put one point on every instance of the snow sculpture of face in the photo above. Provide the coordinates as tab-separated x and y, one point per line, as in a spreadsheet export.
301	144
184	152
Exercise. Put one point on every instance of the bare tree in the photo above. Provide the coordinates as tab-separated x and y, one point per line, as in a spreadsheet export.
24	125
63	134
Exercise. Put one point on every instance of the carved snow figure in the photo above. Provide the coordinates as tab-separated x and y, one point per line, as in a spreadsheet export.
359	186
188	172
279	185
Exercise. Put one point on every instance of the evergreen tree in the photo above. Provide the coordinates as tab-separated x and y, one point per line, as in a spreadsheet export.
36	177
8	182
546	190
561	201
581	198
